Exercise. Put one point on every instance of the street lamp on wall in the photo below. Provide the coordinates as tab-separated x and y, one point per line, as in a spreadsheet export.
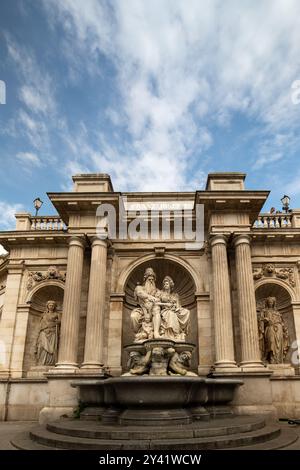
285	203
37	205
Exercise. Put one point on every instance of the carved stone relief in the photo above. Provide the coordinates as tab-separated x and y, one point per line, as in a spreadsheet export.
269	270
35	277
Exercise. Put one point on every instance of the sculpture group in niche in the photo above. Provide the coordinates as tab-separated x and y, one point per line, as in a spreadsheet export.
159	314
273	333
160	324
47	341
269	270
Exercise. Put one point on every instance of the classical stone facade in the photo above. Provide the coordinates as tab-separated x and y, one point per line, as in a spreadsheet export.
69	296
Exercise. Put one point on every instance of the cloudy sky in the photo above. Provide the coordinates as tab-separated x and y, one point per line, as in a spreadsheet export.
156	93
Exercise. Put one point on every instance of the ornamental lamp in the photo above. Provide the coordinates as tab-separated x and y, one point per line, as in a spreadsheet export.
285	203
37	205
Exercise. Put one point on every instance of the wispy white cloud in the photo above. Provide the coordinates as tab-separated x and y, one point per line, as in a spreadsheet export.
34	129
183	69
29	158
8	211
38	89
38	112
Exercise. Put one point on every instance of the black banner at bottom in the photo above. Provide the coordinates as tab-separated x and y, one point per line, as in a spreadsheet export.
138	459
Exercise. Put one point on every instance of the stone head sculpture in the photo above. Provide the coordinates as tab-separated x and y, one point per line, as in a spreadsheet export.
148	274
271	302
51	306
168	283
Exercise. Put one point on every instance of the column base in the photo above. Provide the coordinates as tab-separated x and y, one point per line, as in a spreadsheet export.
4	374
225	365
92	367
65	367
254	366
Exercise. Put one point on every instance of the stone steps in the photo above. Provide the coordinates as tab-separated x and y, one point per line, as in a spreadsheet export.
285	439
43	437
22	441
238	432
221	427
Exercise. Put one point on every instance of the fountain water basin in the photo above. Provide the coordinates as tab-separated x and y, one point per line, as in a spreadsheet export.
162	400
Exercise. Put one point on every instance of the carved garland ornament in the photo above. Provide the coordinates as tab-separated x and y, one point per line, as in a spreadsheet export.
35	277
270	271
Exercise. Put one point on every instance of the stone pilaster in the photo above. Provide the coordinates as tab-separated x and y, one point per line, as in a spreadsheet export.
114	349
9	313
205	333
247	305
68	347
94	339
224	349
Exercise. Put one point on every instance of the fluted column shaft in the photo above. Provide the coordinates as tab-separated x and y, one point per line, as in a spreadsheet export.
247	304
68	347
222	304
93	352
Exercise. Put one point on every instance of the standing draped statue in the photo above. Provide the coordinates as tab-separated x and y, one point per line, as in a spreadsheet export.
47	340
273	333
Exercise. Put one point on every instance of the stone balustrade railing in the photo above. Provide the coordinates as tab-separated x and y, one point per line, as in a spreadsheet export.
277	220
25	221
47	223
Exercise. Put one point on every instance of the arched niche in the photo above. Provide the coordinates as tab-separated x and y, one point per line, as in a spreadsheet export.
284	304
184	286
37	302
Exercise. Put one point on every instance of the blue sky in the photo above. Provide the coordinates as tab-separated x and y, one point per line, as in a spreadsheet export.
156	93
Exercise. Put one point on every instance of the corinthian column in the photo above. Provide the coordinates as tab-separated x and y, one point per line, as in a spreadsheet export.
247	305
71	306
93	352
222	305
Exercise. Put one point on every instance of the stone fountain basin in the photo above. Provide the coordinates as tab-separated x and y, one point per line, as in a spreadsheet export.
221	391
150	391
154	391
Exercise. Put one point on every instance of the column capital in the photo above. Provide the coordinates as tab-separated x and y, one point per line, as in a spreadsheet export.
240	238
95	241
218	239
77	241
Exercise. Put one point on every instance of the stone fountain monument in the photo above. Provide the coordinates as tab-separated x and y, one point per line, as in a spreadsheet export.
159	387
159	402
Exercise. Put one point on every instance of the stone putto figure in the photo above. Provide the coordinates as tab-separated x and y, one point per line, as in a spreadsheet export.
138	364
47	340
180	363
273	333
160	314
